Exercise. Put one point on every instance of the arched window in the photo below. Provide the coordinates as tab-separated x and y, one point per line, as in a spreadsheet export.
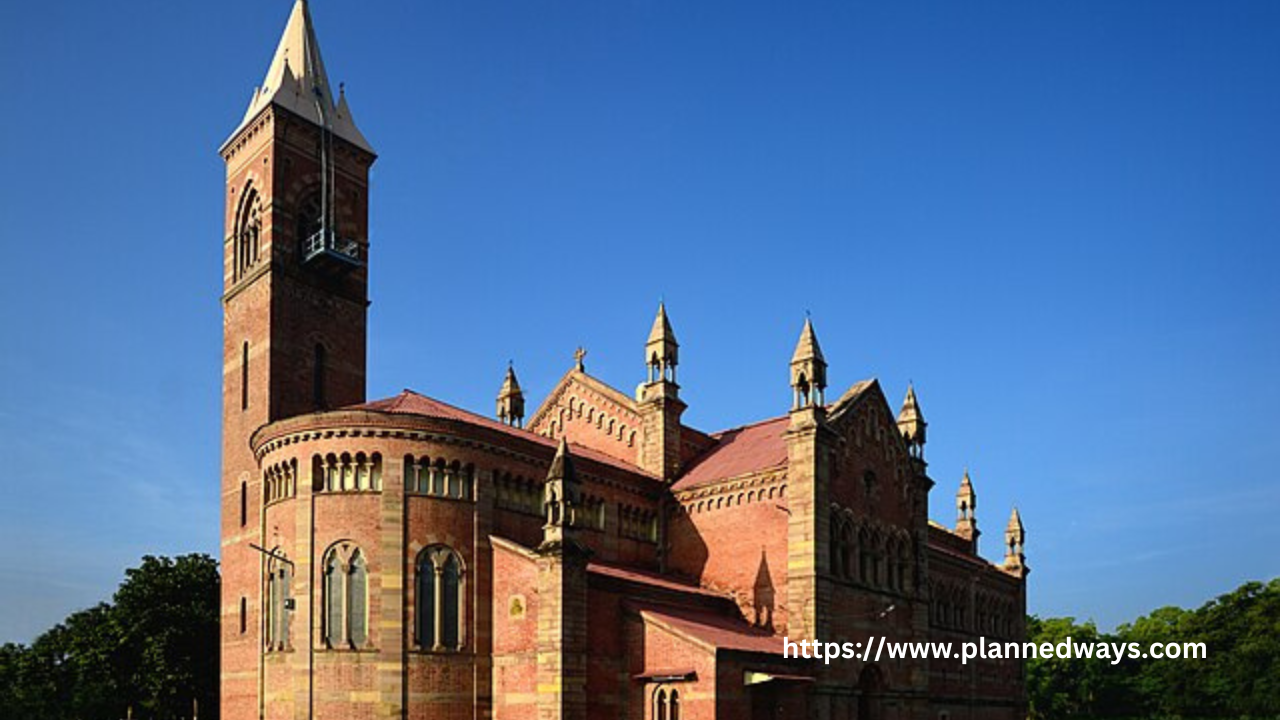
279	579
248	231
439	620
666	704
333	592
357	597
345	597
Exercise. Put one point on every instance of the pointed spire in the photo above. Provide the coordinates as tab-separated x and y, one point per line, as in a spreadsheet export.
661	351
807	347
966	510
911	421
561	497
1014	528
562	465
296	80
511	399
1015	538
808	370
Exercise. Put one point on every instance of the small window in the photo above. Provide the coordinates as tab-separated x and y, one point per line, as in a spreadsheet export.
244	503
244	376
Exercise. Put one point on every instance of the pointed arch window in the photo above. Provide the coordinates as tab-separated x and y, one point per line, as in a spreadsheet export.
345	598
666	703
247	237
439	609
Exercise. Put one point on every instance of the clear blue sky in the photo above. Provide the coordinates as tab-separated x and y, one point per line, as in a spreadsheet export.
1059	219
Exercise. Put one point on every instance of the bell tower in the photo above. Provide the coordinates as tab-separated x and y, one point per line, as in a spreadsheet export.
295	293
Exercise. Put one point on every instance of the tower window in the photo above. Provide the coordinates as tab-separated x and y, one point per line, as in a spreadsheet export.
244	376
244	503
244	612
247	232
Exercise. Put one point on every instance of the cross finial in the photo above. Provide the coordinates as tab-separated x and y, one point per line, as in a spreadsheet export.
578	356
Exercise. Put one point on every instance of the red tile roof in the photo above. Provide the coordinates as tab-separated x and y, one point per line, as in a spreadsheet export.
409	402
717	631
652	579
739	451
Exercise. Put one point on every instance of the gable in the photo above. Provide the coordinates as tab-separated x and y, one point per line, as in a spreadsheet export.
592	414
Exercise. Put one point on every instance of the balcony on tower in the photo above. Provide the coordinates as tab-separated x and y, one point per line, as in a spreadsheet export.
325	250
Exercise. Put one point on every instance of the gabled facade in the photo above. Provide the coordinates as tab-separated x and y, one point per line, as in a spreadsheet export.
404	558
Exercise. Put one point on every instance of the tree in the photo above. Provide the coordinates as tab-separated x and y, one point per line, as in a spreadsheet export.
154	649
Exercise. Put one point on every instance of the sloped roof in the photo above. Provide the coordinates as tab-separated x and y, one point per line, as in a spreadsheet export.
409	402
756	447
661	582
709	629
739	451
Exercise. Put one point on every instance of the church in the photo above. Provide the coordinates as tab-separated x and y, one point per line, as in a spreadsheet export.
592	558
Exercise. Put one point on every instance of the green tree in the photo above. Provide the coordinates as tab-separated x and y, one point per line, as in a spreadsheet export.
154	649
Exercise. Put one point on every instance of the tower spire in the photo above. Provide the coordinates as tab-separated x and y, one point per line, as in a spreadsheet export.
511	400
661	351
296	81
911	422
966	510
808	370
1015	537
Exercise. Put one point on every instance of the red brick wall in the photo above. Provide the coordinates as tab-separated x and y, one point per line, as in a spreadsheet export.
736	542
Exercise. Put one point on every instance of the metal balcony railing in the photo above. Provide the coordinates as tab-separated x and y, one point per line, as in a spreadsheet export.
326	244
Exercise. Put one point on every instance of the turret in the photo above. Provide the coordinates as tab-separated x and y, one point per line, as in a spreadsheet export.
561	661
561	498
808	371
661	351
511	400
911	423
966	511
658	401
1015	559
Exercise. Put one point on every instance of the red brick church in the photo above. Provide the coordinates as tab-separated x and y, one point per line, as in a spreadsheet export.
404	558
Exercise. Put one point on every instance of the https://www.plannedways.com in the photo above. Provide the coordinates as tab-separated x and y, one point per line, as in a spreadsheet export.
874	648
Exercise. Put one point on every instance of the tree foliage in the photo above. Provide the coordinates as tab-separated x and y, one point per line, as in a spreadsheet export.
1240	678
153	649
